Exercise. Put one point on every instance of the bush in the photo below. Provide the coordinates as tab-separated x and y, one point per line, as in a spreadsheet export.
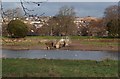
17	29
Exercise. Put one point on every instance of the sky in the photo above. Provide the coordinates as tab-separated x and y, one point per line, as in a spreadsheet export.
82	9
64	0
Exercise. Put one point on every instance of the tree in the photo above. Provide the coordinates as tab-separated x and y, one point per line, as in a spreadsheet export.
96	28
14	13
4	29
52	26
65	20
62	23
18	12
17	29
119	18
111	20
24	9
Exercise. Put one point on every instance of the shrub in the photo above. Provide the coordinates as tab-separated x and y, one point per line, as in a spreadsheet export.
17	29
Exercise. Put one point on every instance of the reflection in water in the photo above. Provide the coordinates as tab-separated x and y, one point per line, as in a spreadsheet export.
60	54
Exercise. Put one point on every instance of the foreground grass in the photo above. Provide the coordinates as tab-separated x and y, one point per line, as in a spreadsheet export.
59	68
0	66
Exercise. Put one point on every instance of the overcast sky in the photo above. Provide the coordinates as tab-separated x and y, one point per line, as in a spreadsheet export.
82	9
64	0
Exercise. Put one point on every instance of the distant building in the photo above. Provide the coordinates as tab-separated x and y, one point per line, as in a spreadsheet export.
37	22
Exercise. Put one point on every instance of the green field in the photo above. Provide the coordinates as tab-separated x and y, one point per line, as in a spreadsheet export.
34	40
59	68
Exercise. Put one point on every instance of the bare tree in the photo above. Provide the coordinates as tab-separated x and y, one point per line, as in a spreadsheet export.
66	17
17	12
24	8
111	20
12	13
119	18
96	28
9	15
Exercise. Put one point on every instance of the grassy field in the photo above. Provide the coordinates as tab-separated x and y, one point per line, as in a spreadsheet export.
78	43
59	68
33	40
0	66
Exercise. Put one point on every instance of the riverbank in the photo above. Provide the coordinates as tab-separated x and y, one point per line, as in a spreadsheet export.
58	68
77	43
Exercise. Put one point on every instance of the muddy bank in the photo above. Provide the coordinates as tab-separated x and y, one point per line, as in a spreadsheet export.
90	48
73	46
33	43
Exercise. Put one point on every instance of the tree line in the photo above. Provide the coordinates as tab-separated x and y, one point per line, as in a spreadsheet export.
63	24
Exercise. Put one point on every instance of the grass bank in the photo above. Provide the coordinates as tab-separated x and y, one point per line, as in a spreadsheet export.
78	43
59	68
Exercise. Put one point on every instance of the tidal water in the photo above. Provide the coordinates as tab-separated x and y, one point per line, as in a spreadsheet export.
60	54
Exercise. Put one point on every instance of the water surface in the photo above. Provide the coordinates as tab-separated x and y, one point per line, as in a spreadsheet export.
60	54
